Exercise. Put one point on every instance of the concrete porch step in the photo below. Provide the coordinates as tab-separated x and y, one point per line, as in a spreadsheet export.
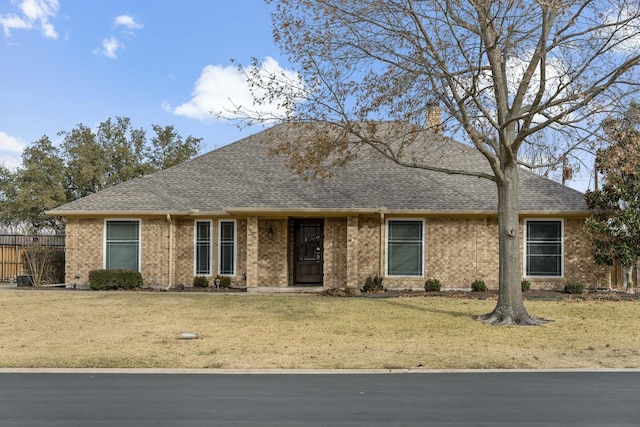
286	289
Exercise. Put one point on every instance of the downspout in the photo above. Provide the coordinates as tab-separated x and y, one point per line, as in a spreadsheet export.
171	232
382	254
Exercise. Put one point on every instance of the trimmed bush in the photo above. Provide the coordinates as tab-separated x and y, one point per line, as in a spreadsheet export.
200	282
104	280
225	281
526	285
377	280
573	288
432	285
478	286
373	284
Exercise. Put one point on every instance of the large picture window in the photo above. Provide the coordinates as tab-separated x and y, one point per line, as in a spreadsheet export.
203	248
122	244
405	243
227	248
543	248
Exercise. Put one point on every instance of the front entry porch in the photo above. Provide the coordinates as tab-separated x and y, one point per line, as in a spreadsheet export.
308	249
319	252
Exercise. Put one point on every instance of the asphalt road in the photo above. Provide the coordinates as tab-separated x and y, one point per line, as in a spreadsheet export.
422	399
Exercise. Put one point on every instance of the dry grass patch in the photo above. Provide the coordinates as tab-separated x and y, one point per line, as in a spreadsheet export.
131	329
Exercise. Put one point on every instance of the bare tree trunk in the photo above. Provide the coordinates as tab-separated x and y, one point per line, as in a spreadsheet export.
510	308
627	278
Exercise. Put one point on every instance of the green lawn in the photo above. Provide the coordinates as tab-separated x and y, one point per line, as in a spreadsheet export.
142	329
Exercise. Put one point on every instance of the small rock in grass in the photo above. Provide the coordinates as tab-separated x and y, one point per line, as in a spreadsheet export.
188	336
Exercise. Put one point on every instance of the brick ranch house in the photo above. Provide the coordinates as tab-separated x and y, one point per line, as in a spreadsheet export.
239	212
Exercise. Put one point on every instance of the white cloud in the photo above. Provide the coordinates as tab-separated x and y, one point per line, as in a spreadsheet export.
109	48
111	45
9	143
127	22
13	22
34	14
11	162
224	89
10	150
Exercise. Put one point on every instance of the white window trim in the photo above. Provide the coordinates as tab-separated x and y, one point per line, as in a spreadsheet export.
524	249
235	246
104	239
386	247
195	248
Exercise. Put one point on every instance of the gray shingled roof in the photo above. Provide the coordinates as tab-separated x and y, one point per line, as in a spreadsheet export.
242	176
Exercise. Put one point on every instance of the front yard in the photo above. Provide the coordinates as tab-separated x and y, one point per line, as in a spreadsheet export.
143	329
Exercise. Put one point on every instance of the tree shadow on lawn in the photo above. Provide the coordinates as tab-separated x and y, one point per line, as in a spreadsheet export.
430	309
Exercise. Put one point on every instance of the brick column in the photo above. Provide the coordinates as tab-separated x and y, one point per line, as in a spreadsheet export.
352	252
328	255
252	252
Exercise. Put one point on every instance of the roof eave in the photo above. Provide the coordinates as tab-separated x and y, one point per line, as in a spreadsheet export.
128	213
252	211
557	213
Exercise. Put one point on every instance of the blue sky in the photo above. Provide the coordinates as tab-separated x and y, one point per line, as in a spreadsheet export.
164	62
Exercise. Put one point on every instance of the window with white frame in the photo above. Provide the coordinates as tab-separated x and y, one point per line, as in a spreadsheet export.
227	248
405	247
543	248
202	254
122	244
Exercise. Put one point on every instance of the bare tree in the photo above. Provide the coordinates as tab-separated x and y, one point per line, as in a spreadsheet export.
508	74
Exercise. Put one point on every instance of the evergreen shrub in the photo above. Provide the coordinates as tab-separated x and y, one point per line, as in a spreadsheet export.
373	284
573	288
432	285
200	282
104	280
478	286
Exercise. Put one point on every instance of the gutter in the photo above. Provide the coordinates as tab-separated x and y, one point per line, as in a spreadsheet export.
253	211
381	263
125	213
266	212
171	234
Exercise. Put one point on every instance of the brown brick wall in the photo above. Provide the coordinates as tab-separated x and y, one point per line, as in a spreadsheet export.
84	246
461	250
252	251
452	250
353	244
457	251
488	252
335	252
184	250
155	251
369	248
272	259
241	253
578	260
579	264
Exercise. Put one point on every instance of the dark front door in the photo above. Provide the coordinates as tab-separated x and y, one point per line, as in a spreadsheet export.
307	251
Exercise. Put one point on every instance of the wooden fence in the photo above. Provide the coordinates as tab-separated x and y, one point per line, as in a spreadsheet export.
12	246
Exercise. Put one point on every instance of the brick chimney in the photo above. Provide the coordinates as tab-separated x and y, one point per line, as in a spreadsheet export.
434	117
